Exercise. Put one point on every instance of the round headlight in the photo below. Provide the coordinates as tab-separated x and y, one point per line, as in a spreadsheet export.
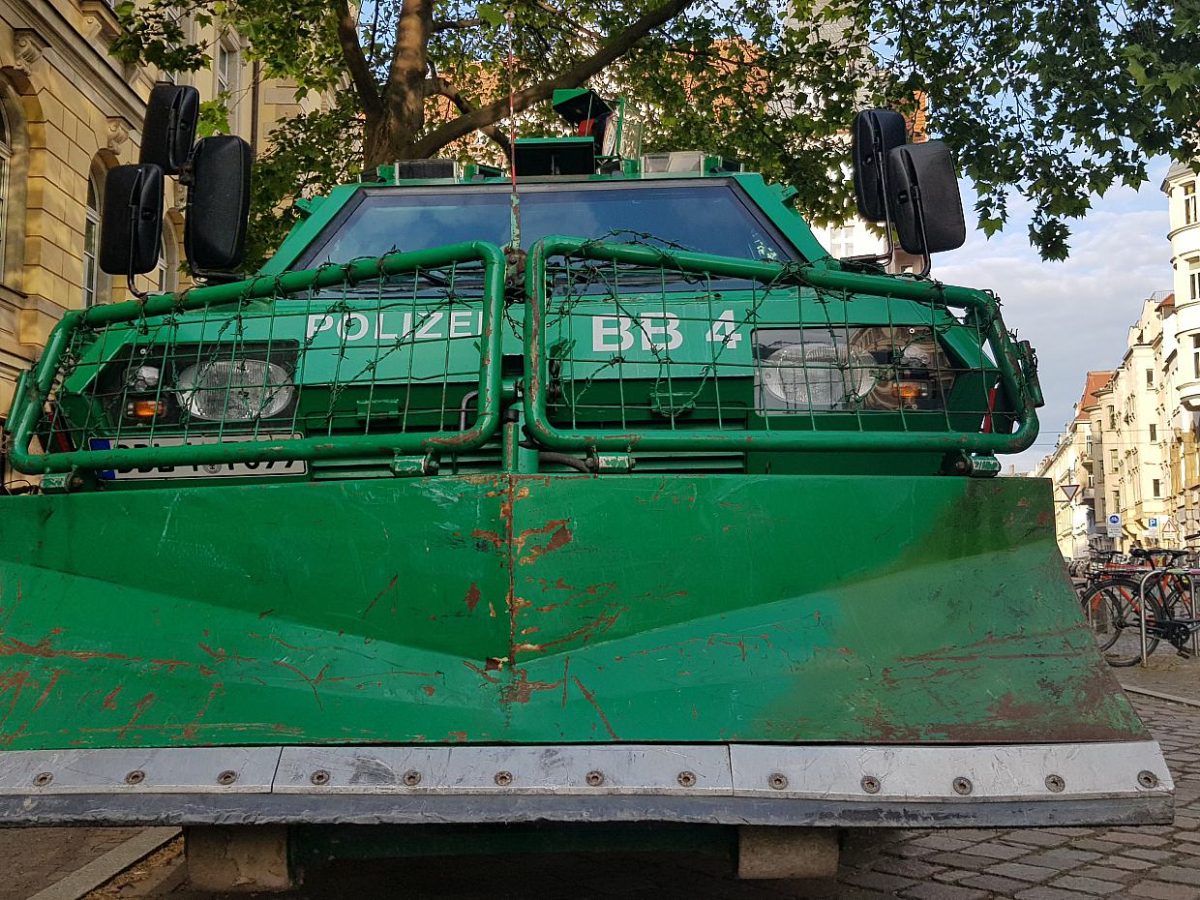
817	376
236	390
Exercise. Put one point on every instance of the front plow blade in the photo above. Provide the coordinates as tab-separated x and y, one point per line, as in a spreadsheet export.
771	650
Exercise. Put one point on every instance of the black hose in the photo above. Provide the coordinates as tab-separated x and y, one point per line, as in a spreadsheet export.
563	459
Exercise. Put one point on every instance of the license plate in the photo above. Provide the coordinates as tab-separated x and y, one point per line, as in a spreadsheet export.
266	468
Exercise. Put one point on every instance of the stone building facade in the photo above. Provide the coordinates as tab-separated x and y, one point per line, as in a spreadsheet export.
68	112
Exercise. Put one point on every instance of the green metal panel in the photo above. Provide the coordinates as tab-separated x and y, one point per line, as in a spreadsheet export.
546	609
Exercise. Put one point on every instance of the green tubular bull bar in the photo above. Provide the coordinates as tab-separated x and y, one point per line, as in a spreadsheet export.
34	389
982	311
771	649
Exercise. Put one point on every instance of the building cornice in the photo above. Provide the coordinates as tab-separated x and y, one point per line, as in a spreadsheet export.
94	74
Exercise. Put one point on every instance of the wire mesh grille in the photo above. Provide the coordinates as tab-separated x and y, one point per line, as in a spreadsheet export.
634	342
401	361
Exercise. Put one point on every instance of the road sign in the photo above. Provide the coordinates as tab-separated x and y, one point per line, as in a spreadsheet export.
1114	525
1152	526
1069	491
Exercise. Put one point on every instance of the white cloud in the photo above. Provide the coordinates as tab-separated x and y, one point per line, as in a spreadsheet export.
1077	313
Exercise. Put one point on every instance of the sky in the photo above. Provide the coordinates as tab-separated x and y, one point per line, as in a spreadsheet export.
1076	313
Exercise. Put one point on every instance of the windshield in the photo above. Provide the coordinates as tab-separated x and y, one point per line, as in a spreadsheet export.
704	216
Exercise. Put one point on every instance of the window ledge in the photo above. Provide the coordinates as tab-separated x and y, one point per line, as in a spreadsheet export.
100	20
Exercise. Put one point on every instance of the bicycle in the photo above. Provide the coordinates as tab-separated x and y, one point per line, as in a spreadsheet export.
1113	607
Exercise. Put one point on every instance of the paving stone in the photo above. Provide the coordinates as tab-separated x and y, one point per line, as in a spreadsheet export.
1145	853
1181	874
907	851
996	850
961	861
1161	890
1071	832
1037	837
954	875
1096	844
994	883
912	868
1093	886
1135	838
1041	892
939	841
1023	871
1103	872
880	881
1061	858
943	892
1124	862
979	834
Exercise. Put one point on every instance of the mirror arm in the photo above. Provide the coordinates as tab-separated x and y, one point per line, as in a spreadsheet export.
881	170
919	209
134	210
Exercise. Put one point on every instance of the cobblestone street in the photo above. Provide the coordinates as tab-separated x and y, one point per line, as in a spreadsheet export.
1160	862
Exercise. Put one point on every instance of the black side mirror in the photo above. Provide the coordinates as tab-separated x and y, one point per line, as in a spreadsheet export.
875	133
131	222
169	128
214	236
925	201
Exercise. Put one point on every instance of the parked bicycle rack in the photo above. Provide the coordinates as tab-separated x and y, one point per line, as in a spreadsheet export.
1191	574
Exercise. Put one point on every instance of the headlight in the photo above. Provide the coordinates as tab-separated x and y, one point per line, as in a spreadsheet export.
882	368
235	390
817	376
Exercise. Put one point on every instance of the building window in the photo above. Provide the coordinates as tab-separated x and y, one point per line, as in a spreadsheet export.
1112	459
1116	499
841	241
227	69
5	167
1156	487
1189	203
91	234
1194	285
1149	378
1112	410
1153	433
1196	355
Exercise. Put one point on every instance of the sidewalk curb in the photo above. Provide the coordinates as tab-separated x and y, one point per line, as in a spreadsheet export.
1159	695
91	876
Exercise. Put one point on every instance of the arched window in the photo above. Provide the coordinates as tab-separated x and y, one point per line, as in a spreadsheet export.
6	146
165	277
158	278
91	245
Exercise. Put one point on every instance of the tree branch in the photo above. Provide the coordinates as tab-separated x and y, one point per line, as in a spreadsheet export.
438	86
410	59
455	24
356	61
607	53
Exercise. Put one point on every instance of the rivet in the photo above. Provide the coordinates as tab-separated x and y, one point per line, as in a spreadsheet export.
227	777
963	785
870	784
42	779
594	778
411	778
686	779
504	779
1147	779
1055	783
137	776
777	780
319	777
